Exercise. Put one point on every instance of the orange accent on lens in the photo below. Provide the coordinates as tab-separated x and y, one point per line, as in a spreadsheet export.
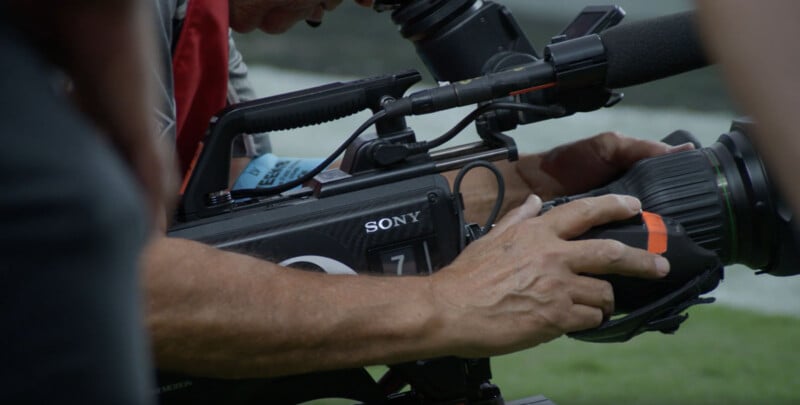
656	233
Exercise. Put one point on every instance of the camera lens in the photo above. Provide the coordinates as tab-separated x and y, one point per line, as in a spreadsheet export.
419	20
723	198
439	30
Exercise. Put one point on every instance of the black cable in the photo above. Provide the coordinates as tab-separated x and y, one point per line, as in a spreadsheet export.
419	147
554	111
498	205
268	191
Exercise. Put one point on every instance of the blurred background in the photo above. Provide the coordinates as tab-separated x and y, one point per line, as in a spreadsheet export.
738	352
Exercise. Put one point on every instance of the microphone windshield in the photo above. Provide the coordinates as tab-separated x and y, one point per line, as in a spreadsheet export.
648	50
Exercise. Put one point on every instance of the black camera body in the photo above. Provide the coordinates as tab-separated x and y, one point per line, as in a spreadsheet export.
404	228
389	211
378	214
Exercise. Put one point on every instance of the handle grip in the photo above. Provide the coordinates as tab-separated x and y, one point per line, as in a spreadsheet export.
311	106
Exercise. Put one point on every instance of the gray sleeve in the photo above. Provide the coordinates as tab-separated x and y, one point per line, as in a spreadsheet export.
165	108
239	90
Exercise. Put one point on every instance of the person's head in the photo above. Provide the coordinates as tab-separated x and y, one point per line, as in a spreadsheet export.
277	16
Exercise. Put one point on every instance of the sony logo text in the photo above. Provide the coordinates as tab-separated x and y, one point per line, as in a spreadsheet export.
384	224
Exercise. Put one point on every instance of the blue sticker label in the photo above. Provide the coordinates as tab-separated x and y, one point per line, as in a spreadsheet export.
269	170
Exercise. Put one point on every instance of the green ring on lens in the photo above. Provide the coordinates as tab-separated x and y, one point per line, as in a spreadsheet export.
722	183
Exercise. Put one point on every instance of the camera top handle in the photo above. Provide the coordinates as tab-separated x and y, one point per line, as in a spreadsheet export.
208	177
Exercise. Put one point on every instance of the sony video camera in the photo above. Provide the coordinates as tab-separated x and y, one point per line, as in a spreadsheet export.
388	210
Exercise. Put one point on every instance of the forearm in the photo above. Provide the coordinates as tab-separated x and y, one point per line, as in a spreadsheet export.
217	313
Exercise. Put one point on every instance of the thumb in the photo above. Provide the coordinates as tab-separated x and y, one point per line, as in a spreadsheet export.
529	209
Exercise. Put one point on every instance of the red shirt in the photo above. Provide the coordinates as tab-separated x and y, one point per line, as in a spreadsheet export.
200	71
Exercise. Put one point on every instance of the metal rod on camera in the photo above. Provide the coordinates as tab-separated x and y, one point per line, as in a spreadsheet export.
461	161
454	158
458	150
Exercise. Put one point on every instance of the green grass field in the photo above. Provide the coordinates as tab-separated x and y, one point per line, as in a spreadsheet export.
719	356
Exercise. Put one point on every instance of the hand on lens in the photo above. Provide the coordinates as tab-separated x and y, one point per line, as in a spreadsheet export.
526	282
580	166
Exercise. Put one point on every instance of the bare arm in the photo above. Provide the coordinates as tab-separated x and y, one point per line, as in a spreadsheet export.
217	313
222	314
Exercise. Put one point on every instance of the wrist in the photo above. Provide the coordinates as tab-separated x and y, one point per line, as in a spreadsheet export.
538	181
422	323
455	334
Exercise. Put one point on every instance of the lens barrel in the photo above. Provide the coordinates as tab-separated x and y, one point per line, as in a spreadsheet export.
723	198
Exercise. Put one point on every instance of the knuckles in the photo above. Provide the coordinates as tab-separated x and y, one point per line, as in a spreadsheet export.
610	137
606	294
585	207
612	252
607	144
596	318
551	285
